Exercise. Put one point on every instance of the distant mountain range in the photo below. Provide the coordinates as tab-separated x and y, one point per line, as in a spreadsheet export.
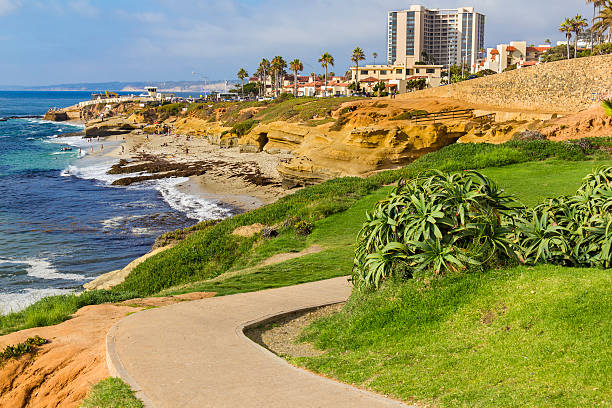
162	86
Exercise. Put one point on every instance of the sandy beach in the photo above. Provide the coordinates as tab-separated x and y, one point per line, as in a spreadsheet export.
231	179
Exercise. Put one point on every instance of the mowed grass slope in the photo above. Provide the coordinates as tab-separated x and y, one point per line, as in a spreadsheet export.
335	208
536	337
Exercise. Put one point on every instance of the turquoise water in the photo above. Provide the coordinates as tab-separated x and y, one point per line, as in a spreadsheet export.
61	223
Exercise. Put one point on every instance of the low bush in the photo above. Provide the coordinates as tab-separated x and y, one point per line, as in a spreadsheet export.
570	231
28	346
438	224
607	105
447	223
529	135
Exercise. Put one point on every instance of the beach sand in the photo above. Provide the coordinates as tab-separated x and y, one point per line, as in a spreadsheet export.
225	183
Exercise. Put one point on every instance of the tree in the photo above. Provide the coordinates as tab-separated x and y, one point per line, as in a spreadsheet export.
547	42
578	25
264	68
242	74
379	88
348	75
278	67
326	60
596	4
557	53
375	55
567	28
357	56
296	66
604	20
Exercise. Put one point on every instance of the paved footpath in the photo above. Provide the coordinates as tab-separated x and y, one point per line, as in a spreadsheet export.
194	354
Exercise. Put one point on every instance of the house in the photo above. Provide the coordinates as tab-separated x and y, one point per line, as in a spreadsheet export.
397	75
517	52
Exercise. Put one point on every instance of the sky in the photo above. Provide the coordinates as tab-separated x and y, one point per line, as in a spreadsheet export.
45	42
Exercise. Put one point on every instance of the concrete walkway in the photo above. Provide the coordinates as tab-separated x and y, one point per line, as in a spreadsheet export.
194	354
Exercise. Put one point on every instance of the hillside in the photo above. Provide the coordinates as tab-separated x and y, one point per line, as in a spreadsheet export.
560	87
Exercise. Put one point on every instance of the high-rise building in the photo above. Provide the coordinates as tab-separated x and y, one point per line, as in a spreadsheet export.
435	36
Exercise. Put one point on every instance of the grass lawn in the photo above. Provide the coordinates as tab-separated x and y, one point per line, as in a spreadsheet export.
335	208
533	182
519	337
111	393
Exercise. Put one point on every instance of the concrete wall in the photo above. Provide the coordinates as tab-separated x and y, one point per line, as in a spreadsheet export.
559	87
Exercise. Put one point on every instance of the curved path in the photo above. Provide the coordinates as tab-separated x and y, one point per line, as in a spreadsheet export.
195	354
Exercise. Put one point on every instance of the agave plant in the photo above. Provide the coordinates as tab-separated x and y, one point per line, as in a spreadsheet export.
441	223
438	223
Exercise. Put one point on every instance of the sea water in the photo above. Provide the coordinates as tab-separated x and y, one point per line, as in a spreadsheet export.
61	222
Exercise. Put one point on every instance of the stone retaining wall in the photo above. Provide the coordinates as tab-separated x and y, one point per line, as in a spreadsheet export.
562	86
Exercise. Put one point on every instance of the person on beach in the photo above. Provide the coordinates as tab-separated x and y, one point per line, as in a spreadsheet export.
80	152
122	149
186	151
101	147
91	149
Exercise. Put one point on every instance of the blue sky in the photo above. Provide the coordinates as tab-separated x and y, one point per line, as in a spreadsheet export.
67	41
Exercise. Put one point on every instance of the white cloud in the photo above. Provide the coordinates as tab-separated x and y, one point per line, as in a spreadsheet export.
84	8
7	6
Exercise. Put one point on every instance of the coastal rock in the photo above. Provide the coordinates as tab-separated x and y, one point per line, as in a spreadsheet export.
111	127
56	116
323	155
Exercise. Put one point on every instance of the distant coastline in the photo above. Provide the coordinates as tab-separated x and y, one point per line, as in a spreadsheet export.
126	86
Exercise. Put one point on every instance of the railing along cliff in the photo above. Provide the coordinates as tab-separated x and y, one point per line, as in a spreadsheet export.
113	100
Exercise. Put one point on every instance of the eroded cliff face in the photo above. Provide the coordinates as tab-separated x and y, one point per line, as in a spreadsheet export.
356	138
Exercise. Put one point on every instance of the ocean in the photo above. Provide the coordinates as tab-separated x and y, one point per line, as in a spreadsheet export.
61	222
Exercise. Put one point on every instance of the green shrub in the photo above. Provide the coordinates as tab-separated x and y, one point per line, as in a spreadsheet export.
445	223
571	231
439	224
304	227
28	346
607	105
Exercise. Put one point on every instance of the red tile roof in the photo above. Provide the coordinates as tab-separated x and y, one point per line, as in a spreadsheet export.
510	48
370	79
494	52
537	49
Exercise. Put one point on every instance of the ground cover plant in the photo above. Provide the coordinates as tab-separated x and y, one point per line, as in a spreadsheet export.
111	393
18	350
209	250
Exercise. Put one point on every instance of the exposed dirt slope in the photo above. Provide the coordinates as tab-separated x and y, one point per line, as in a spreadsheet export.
61	373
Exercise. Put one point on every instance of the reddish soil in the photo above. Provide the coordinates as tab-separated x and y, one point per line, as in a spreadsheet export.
61	372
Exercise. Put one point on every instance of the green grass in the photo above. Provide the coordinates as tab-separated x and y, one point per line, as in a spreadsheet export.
520	337
55	309
337	213
111	393
534	182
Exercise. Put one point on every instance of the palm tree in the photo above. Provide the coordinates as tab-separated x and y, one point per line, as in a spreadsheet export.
375	55
578	24
357	56
596	4
567	28
242	74
604	20
326	60
278	67
547	42
264	68
296	66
